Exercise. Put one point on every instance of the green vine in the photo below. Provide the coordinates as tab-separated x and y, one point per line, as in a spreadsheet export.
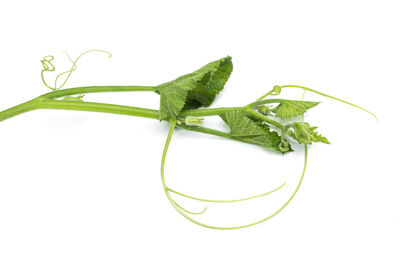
274	124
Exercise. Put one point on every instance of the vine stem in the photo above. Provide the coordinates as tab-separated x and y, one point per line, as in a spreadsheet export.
43	103
99	107
48	102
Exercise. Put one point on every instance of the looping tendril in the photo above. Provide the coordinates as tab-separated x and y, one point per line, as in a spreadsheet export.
48	66
46	63
276	90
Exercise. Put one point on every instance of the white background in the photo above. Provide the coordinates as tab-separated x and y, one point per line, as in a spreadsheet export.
83	189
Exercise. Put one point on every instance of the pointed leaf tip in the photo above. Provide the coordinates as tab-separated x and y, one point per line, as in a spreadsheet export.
293	108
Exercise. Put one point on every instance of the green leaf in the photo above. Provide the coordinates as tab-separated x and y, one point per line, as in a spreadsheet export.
292	108
194	90
244	129
218	73
305	134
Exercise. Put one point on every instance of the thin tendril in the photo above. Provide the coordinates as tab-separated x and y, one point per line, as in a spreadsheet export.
164	155
49	67
328	96
302	96
227	201
190	212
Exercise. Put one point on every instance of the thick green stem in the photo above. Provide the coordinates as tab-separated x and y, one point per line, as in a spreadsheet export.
22	108
41	103
99	107
47	102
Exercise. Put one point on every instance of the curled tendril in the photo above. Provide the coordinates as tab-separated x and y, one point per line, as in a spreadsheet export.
276	90
284	144
48	66
46	63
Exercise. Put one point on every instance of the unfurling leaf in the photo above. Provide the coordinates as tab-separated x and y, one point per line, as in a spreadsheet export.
305	134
